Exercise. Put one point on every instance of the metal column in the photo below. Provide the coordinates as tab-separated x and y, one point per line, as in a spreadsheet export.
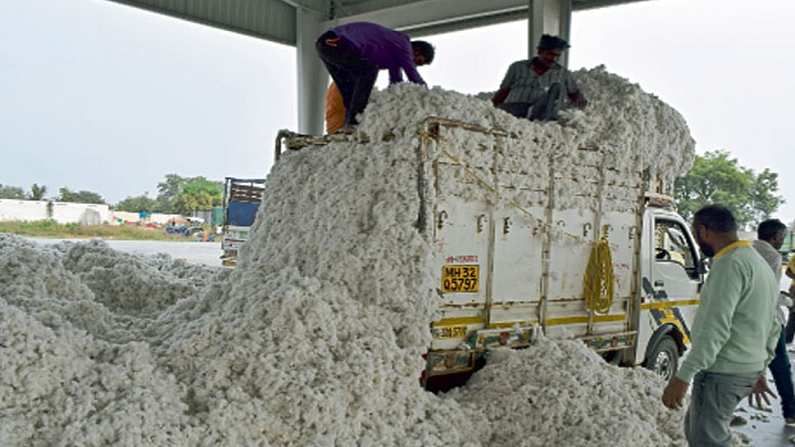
312	76
548	17
535	25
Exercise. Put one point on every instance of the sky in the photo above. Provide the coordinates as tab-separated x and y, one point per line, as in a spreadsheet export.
102	97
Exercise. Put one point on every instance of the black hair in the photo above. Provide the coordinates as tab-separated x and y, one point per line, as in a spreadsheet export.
769	229
549	42
716	218
426	50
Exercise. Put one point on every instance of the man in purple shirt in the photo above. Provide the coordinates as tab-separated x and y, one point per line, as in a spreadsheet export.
355	52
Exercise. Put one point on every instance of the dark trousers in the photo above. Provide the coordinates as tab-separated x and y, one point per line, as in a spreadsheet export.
545	109
782	375
789	331
354	75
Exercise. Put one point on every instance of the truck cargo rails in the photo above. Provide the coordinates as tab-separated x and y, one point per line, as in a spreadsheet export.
583	245
241	202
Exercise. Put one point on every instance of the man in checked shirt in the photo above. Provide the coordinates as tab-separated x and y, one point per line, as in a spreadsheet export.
534	88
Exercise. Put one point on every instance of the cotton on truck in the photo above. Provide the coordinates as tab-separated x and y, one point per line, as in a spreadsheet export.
578	245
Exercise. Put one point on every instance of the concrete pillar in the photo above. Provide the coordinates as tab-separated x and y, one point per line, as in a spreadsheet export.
548	17
312	76
535	25
565	28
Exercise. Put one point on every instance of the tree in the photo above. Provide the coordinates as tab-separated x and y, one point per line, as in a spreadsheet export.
167	192
37	192
198	193
11	192
177	194
136	204
717	178
66	195
763	202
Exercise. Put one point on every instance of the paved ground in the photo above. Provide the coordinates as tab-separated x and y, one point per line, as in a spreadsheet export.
766	429
207	253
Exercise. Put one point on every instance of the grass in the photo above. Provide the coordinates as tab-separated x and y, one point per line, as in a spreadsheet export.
52	229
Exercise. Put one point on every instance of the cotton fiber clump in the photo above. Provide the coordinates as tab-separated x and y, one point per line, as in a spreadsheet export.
316	339
562	393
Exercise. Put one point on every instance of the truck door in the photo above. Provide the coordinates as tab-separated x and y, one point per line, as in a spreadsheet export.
671	293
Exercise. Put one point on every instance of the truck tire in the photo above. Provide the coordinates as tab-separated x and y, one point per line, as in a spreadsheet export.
664	358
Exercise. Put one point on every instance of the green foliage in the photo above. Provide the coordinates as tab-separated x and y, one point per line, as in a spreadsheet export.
11	192
136	204
37	192
183	195
198	193
66	195
717	178
52	229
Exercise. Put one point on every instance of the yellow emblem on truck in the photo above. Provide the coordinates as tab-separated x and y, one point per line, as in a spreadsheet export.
460	278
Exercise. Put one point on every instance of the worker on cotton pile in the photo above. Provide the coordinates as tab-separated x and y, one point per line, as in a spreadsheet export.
534	88
354	53
734	334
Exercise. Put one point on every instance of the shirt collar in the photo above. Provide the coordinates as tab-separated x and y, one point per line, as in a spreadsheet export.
736	244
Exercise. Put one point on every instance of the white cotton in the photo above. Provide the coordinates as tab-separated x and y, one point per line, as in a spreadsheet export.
316	339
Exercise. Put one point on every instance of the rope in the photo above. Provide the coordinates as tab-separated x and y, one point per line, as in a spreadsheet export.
485	184
599	280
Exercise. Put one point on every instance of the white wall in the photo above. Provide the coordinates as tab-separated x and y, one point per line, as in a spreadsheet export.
22	210
62	212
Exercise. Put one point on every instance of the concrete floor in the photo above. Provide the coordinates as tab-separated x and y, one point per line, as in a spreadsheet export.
766	428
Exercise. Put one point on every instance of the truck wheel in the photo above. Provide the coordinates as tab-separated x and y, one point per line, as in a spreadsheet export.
664	359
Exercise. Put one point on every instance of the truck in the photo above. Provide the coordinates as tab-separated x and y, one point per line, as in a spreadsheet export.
519	251
240	204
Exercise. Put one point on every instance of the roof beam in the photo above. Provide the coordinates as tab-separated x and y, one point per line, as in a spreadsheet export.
423	14
425	17
316	6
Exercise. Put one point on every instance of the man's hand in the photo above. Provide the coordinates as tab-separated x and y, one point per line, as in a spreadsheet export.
578	100
760	392
674	393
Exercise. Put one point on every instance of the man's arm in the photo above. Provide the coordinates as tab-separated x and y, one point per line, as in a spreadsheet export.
404	59
395	76
712	325
505	86
575	95
499	96
791	266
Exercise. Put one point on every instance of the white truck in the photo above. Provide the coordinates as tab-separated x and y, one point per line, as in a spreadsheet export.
511	248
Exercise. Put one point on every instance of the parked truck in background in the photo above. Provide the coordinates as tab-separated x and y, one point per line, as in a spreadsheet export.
519	264
241	202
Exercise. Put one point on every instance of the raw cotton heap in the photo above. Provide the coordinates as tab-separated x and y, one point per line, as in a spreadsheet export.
316	338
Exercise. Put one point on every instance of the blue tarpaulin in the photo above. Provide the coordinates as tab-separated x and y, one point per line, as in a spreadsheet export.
241	214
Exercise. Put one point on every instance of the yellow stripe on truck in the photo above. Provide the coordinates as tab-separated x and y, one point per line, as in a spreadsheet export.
584	319
660	305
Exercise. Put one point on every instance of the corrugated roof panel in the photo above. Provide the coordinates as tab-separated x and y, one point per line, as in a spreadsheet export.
268	19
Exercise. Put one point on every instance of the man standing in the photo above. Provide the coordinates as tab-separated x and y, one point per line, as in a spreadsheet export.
790	329
734	334
534	89
770	237
354	53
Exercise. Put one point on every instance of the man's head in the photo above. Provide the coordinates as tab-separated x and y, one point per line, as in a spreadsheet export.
423	52
550	48
772	231
714	227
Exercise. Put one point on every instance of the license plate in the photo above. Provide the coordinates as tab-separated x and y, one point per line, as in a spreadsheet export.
451	332
460	278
